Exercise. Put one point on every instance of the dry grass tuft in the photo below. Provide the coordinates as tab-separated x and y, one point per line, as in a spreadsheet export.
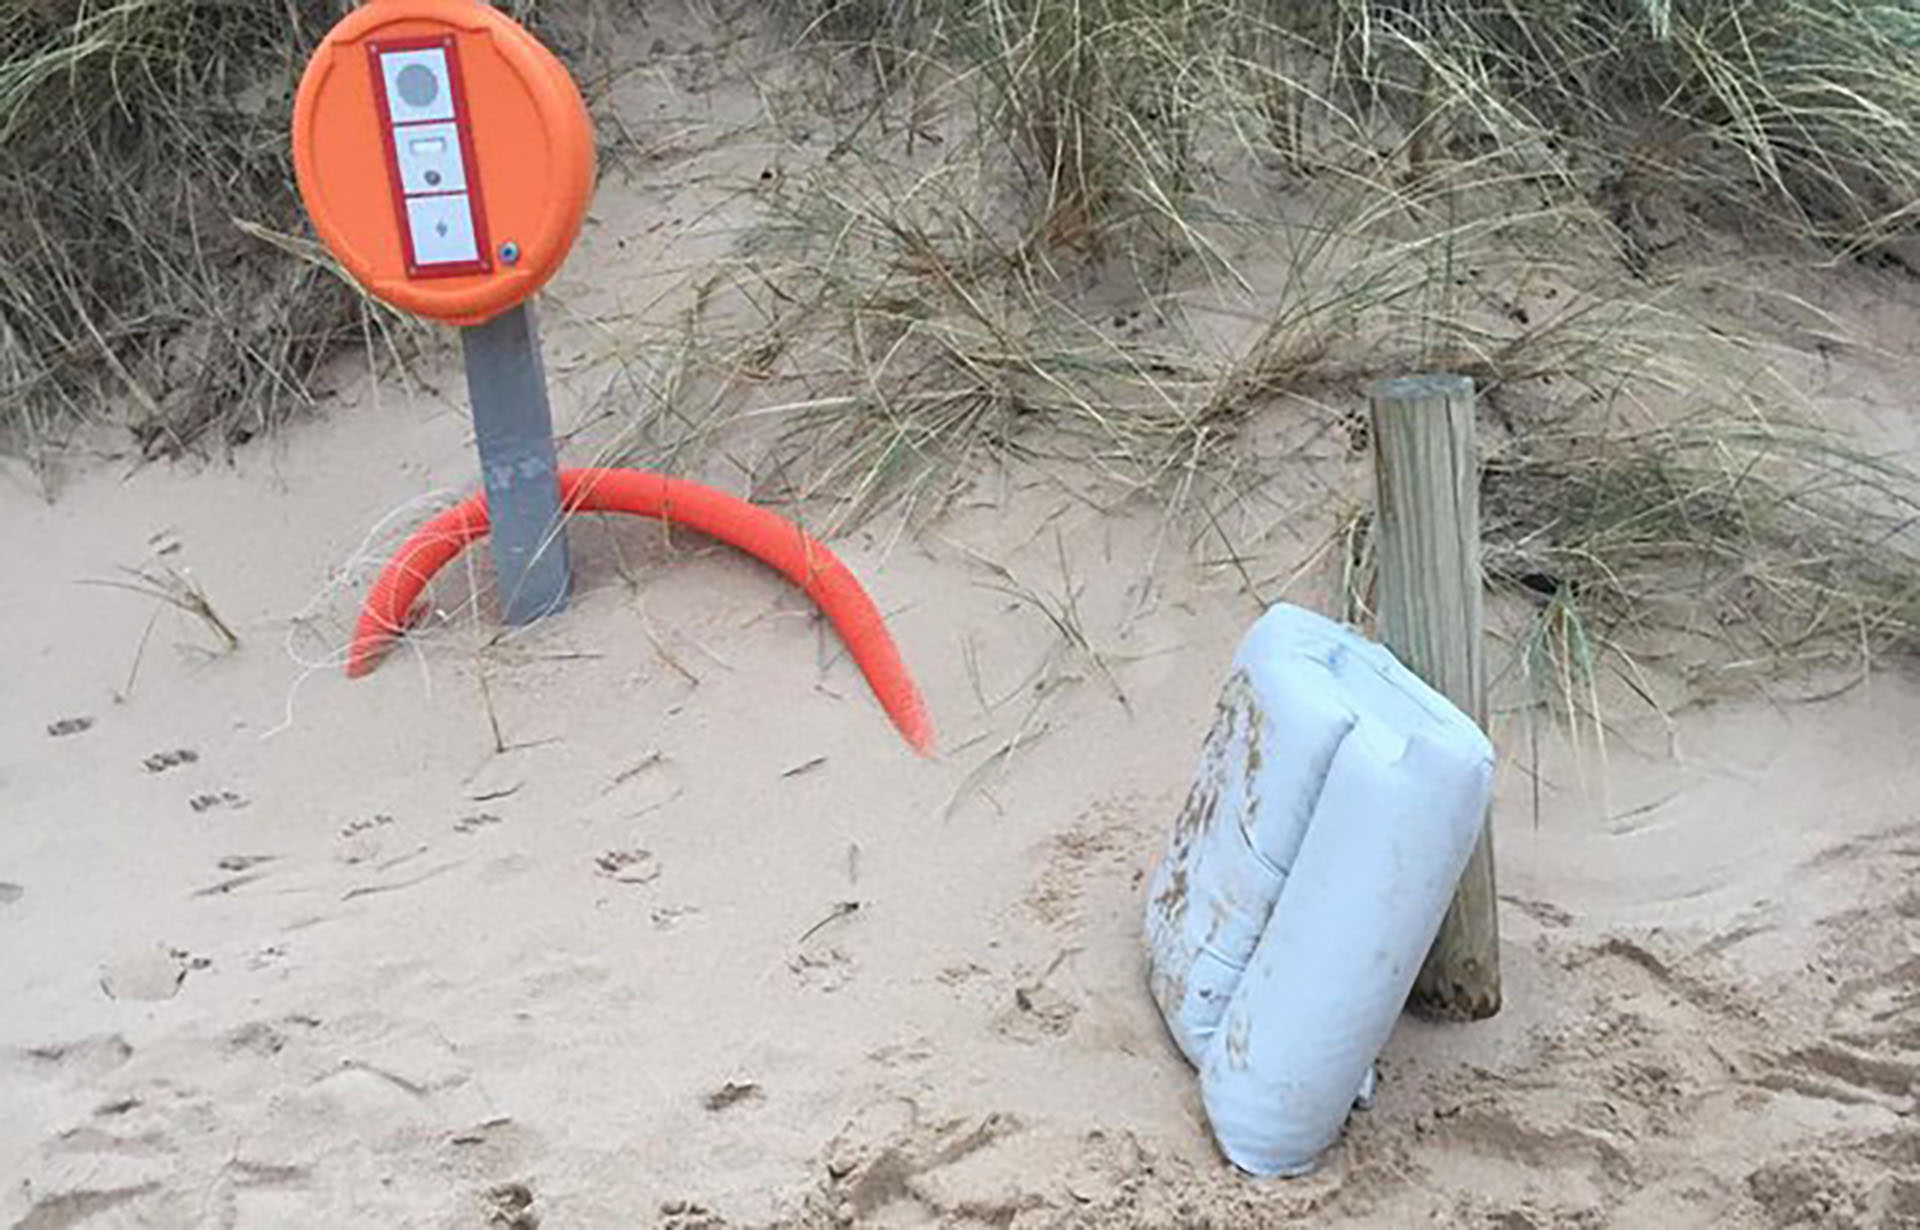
1357	189
144	174
1758	548
156	267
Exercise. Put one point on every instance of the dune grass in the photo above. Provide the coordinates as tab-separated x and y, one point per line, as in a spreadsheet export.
1805	110
157	270
139	142
1118	234
1782	547
1503	189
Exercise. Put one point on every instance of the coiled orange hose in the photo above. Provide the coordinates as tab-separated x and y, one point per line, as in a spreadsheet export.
770	538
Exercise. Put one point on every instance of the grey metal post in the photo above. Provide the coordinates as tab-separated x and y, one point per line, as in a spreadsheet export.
513	428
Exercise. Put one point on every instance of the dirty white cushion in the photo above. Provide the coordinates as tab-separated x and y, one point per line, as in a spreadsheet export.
1336	802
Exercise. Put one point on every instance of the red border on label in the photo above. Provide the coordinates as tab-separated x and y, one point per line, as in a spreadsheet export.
483	263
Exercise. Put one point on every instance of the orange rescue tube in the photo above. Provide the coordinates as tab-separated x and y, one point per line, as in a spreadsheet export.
770	538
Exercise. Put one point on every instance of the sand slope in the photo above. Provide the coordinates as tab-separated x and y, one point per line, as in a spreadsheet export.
346	963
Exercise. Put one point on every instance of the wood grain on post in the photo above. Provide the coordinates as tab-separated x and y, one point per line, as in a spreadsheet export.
1427	587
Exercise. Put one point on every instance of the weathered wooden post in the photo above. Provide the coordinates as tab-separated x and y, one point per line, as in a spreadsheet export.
1428	587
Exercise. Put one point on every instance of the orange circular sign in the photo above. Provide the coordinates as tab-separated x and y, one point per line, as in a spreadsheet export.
444	156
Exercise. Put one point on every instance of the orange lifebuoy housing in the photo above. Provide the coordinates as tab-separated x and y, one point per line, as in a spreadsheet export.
446	159
444	155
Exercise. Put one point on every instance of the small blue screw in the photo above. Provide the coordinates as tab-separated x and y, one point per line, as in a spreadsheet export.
509	253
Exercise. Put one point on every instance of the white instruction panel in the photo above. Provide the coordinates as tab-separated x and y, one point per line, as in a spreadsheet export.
418	87
428	148
442	229
429	158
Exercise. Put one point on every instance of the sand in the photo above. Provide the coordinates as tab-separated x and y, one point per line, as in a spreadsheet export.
643	916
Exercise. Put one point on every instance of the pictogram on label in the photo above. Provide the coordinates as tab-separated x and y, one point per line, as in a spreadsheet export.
436	186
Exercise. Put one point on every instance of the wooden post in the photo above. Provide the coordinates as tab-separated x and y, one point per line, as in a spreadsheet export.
1427	592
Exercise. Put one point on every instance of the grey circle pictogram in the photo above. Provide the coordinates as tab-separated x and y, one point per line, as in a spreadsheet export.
418	85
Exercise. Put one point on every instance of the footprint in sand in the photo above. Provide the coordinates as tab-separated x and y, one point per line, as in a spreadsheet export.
890	1165
827	970
1807	1191
10	892
160	762
354	828
1086	863
510	1206
910	1054
85	1059
69	1200
1036	1011
628	866
150	976
243	862
225	800
732	1094
69	726
690	1215
1035	1014
360	839
265	1039
667	917
959	975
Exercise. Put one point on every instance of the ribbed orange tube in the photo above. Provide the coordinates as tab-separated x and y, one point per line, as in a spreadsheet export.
770	538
